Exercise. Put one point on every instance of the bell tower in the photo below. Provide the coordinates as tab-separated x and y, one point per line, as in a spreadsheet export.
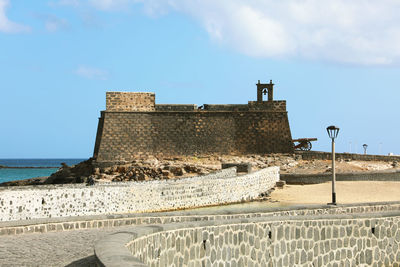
264	88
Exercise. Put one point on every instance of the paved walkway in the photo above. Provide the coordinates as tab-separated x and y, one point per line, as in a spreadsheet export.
74	248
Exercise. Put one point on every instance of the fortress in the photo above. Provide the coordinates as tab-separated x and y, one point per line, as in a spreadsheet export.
133	125
120	219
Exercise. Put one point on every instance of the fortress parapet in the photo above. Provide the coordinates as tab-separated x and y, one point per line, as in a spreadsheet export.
133	125
139	101
130	101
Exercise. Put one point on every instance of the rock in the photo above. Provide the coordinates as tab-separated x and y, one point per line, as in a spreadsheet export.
96	171
82	179
114	169
166	173
280	184
241	167
177	171
190	168
141	177
90	181
152	162
73	174
31	181
64	165
121	169
106	170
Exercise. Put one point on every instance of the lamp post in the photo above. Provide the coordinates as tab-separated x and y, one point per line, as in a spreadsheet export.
333	133
365	148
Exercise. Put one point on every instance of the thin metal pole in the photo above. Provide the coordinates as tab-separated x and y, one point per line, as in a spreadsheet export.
333	173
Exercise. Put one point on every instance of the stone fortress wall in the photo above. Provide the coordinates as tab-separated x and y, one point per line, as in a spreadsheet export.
133	125
53	201
342	236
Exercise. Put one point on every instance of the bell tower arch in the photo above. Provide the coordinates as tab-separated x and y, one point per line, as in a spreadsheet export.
264	88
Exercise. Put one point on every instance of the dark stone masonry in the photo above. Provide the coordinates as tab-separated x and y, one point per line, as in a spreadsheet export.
133	126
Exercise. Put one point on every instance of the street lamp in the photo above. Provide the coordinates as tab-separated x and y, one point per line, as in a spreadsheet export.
365	148
333	133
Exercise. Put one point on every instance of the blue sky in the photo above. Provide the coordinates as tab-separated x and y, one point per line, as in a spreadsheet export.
334	62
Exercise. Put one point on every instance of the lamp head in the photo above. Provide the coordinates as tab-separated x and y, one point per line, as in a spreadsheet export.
332	131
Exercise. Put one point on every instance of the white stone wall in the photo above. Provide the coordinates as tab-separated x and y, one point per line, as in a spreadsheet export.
24	203
322	242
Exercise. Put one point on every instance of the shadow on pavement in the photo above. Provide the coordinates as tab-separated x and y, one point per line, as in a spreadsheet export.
88	261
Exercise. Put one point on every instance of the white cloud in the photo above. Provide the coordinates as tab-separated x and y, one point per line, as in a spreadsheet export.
363	32
6	25
355	32
105	5
53	23
91	20
92	73
111	4
74	3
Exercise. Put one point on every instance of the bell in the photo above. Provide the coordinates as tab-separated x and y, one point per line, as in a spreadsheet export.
265	91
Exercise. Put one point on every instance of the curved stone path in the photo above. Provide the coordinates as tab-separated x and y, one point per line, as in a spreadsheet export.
76	247
71	248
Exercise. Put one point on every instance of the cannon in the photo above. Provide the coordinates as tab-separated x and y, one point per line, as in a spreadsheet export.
303	143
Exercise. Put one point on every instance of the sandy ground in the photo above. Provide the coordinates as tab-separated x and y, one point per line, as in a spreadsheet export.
324	166
346	192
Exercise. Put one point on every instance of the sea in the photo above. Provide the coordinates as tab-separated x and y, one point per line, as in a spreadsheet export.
32	170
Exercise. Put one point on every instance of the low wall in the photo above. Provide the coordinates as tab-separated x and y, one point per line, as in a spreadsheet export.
115	220
309	155
31	202
341	240
326	177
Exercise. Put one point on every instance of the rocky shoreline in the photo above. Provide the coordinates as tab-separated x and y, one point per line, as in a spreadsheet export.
30	181
149	168
153	168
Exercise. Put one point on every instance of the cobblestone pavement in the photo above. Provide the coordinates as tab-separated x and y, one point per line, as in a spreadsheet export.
74	248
